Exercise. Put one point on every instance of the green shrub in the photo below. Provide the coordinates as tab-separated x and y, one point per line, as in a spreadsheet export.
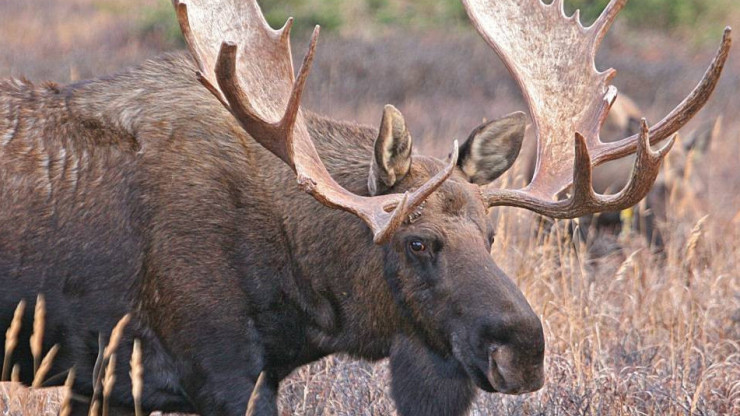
343	14
307	13
660	14
685	15
159	23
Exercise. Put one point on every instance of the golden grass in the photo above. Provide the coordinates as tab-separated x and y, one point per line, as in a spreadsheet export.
16	399
43	369
37	337
35	400
11	339
108	381
66	402
115	336
137	376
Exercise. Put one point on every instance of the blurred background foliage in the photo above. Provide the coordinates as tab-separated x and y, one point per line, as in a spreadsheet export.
366	18
686	15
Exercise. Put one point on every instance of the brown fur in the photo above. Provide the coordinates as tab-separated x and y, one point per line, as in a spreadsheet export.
141	194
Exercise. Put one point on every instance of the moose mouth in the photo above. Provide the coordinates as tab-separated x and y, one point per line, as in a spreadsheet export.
482	379
476	368
489	375
485	376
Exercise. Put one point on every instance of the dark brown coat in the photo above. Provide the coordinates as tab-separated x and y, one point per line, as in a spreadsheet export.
140	193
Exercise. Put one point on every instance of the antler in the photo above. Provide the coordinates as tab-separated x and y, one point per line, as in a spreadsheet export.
552	58
264	96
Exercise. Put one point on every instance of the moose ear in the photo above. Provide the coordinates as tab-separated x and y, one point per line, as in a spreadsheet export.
392	154
492	148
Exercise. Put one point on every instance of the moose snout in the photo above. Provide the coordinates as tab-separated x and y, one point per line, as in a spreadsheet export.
507	375
514	349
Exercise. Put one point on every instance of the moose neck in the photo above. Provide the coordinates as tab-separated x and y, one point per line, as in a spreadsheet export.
335	257
336	269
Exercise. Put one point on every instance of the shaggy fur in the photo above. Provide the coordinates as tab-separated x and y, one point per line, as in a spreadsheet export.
140	194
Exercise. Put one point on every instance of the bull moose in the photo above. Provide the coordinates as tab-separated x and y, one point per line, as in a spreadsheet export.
168	192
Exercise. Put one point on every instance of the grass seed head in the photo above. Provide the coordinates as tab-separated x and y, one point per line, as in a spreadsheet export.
37	337
11	335
11	338
38	378
67	401
115	336
15	375
137	373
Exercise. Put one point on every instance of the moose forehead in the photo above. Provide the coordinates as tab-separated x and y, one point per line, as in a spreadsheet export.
456	198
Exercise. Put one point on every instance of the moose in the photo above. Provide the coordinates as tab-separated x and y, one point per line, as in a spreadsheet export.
168	192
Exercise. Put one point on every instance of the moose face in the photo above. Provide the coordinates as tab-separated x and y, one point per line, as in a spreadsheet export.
439	266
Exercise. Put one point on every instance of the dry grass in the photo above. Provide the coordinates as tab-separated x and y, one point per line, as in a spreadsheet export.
137	376
37	337
629	334
16	399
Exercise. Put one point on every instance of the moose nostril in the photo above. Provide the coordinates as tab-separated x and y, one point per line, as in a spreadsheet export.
494	331
485	336
511	374
520	332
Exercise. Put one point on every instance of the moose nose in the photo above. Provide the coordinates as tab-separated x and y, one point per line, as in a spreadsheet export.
514	350
508	374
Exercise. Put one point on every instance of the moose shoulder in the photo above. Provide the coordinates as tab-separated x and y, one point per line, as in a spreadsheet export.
146	193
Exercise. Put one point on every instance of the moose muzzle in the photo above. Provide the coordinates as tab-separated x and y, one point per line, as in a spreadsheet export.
508	374
501	345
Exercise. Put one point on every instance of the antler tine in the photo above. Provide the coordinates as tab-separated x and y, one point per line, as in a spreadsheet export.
264	95
602	25
583	200
567	96
294	103
680	115
277	137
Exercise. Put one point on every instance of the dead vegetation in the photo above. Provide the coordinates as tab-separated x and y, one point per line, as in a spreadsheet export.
630	334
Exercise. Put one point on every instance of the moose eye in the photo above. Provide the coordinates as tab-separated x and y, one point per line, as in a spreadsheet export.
417	246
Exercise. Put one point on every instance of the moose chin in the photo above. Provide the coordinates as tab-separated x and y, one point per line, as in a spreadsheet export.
168	193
